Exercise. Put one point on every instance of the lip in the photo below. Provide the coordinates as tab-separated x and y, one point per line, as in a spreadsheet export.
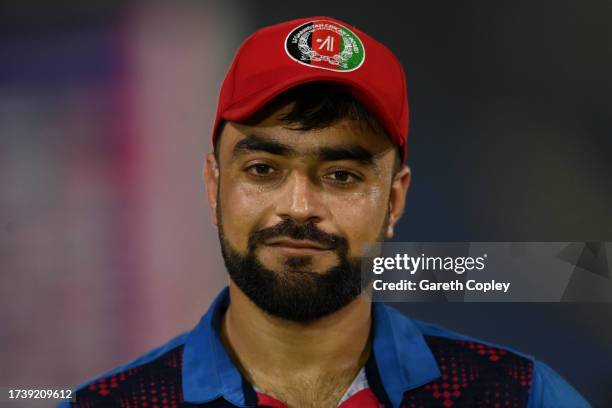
296	247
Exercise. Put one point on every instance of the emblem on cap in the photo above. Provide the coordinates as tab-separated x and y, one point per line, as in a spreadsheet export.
327	45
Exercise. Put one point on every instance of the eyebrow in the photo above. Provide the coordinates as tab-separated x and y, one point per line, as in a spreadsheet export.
352	152
254	143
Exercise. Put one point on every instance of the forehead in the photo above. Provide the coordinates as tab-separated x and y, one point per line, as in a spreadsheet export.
345	133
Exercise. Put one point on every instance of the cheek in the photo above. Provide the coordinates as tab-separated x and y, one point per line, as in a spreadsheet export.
242	211
360	217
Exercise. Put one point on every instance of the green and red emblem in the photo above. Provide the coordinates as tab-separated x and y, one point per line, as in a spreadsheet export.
325	44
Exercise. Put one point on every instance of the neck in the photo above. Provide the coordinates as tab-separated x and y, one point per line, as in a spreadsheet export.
264	345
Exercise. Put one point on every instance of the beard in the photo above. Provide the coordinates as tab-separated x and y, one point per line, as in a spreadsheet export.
295	293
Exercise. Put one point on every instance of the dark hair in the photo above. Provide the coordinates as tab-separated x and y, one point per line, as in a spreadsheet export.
316	106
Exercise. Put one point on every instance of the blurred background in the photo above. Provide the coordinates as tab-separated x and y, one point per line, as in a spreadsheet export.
106	247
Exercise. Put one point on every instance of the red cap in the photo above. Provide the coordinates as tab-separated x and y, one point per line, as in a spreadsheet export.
279	57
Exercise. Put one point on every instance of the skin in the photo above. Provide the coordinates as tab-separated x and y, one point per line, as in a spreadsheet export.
302	364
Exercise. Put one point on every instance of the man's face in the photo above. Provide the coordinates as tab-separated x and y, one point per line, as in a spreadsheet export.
295	208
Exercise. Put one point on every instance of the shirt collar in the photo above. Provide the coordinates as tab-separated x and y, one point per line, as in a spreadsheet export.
402	356
208	371
403	359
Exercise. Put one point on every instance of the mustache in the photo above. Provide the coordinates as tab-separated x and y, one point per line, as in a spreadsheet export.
299	231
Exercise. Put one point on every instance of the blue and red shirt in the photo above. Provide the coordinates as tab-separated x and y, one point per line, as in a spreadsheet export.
412	364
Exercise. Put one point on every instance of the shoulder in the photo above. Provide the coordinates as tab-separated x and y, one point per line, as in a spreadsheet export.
546	387
439	337
154	377
473	370
468	362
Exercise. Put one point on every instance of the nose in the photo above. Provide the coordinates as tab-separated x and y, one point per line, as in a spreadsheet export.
300	199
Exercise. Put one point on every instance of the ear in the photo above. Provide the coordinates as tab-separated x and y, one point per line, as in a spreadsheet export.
397	198
211	179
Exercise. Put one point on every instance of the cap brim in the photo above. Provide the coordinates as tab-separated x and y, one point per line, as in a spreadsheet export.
247	107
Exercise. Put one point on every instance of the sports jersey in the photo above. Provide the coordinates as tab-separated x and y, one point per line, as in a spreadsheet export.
411	364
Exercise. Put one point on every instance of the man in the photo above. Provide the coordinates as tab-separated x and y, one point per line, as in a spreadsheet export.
310	137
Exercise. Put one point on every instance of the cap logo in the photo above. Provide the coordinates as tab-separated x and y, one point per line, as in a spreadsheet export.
327	45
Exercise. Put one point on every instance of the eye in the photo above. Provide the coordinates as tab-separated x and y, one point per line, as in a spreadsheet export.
260	170
343	177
